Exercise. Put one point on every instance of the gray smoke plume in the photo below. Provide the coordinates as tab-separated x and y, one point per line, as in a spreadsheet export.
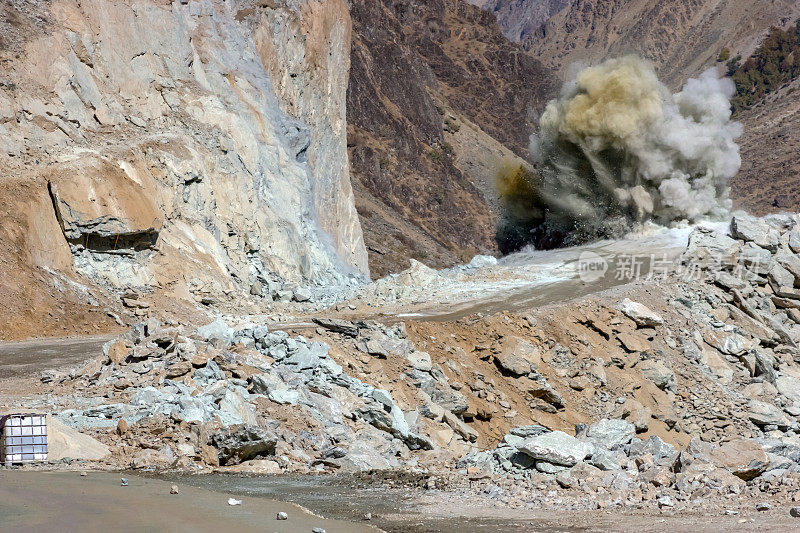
616	148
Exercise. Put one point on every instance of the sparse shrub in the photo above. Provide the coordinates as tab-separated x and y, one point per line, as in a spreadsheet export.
724	55
774	63
435	156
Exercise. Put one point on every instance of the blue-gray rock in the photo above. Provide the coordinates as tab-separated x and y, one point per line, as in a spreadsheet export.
609	433
217	330
243	443
556	447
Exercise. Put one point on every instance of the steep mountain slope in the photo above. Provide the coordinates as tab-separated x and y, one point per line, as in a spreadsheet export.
421	70
680	37
683	38
196	149
521	18
769	180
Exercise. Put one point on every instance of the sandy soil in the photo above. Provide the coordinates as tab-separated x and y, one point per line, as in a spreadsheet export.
65	501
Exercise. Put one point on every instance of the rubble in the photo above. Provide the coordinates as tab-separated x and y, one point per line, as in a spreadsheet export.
604	397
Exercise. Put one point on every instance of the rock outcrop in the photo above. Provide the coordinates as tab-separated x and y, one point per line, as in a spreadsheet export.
182	145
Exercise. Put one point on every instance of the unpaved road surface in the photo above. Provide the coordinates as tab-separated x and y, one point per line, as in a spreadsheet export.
66	502
33	356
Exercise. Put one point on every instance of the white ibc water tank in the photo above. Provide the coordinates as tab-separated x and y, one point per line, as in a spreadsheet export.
23	438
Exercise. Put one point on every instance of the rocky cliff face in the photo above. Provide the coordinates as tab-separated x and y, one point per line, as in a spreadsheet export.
520	19
185	146
438	98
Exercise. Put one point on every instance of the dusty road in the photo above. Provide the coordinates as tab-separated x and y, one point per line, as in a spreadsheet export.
66	502
34	356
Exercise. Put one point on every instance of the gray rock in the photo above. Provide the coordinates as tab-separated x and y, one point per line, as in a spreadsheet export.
728	342
765	365
794	240
657	372
756	259
527	432
764	414
513	364
420	361
449	399
604	460
302	294
264	383
707	242
549	468
336	325
750	229
640	313
780	277
260	332
243	443
789	387
609	433
217	330
665	501
555	447
209	374
287	396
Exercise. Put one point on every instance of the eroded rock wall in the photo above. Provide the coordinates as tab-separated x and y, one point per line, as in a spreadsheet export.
186	144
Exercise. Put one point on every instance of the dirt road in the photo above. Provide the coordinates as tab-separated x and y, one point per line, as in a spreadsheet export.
34	356
66	502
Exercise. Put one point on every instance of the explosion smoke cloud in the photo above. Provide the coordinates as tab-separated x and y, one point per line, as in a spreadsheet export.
616	148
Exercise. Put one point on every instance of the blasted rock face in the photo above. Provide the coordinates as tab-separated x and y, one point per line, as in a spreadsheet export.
227	153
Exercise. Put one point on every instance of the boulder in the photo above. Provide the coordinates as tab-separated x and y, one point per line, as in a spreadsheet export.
764	414
657	372
242	443
337	325
744	459
152	459
794	240
556	448
750	229
611	432
302	294
450	399
525	432
707	243
639	313
513	364
420	361
779	277
728	342
789	387
218	329
605	460
633	343
64	441
540	388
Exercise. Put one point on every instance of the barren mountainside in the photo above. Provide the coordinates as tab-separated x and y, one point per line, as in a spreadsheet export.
681	37
425	75
519	19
